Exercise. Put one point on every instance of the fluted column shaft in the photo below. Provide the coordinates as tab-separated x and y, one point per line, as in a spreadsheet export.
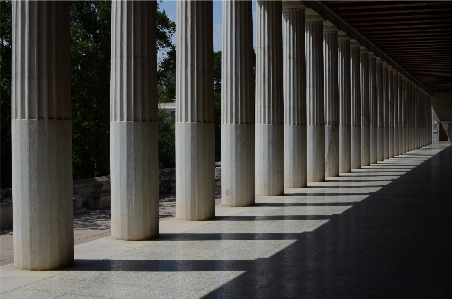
355	95
41	135
195	148
373	108
331	94
133	122
237	105
405	114
295	174
391	111
314	97
395	82
365	108
380	114
399	113
344	102
402	116
269	99
386	110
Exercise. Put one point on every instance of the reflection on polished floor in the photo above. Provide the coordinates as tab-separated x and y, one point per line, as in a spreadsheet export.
383	231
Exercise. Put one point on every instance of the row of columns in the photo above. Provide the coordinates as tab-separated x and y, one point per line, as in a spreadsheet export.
323	104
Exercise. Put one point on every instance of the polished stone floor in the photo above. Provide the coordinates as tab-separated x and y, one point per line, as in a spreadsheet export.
384	231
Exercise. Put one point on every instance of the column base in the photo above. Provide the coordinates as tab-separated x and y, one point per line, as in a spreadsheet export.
134	180
42	192
316	153
237	165
195	171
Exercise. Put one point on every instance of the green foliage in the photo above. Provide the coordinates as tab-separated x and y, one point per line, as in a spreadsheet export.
167	139
90	57
5	92
217	102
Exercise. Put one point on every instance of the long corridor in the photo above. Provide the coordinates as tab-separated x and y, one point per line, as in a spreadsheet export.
383	231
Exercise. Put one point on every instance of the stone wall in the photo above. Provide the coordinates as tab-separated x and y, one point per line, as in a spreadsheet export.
95	193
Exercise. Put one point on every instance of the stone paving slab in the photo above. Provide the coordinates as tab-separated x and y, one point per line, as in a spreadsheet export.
348	237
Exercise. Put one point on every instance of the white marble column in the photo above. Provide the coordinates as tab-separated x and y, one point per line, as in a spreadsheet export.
373	108
314	97
331	94
355	95
41	135
391	111
269	99
402	116
365	108
344	102
237	105
133	122
386	110
195	148
295	175
395	82
380	113
399	113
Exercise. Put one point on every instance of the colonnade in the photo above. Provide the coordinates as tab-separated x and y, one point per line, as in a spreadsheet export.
323	104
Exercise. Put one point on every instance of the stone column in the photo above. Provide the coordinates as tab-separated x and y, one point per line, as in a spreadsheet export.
416	117
314	96
386	110
195	148
405	114
331	93
373	107
269	99
399	113
237	101
344	102
365	108
402	116
391	111
395	80
41	135
133	122
295	175
380	114
355	95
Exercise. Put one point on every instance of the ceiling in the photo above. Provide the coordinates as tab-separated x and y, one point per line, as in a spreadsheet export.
417	35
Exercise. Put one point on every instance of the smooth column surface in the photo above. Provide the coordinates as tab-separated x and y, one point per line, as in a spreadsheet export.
386	110
133	122
365	107
391	111
195	148
355	95
295	175
344	102
41	135
314	97
269	99
373	107
331	94
395	82
380	114
237	105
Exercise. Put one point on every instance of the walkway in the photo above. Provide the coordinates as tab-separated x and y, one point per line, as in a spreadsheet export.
379	232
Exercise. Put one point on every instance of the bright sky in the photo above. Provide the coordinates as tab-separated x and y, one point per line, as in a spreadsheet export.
170	8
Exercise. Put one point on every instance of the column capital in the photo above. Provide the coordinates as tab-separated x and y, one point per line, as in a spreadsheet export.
293	5
390	68
379	60
329	27
372	55
312	16
385	64
341	35
363	49
396	72
400	75
354	44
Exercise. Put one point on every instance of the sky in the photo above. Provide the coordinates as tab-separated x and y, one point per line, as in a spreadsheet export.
170	9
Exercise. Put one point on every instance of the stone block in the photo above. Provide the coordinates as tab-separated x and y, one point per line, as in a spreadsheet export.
100	200
6	215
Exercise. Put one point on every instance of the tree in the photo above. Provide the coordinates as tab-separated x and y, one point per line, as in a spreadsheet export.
5	92
90	84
